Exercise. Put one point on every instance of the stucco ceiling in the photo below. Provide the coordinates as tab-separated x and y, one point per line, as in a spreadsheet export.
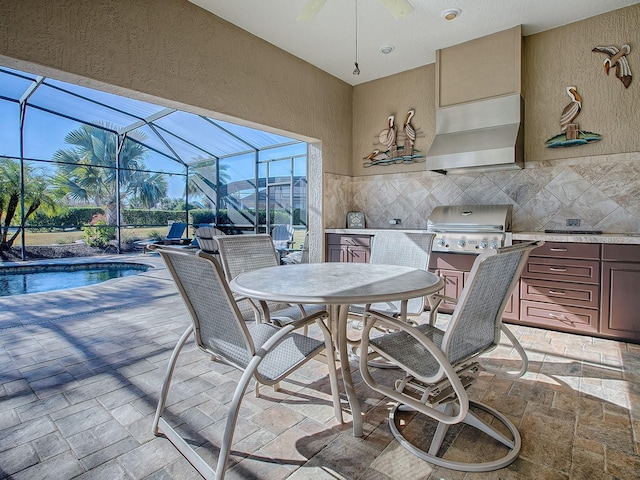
328	41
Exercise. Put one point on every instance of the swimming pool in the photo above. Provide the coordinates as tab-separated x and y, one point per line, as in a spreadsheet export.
18	280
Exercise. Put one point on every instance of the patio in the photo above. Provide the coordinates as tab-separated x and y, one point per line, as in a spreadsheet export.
81	371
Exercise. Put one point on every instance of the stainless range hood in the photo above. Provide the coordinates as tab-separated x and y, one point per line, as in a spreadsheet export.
481	135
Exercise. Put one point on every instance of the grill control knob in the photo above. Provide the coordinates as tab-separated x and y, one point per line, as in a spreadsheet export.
494	245
440	243
482	245
461	243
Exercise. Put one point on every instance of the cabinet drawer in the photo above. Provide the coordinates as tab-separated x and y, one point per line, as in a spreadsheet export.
587	251
564	270
353	240
451	261
621	253
579	295
559	317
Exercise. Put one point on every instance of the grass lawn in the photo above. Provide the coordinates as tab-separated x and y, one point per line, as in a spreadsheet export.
67	237
133	234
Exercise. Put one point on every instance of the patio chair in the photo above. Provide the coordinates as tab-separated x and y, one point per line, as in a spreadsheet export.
261	351
206	238
176	230
174	236
439	365
244	253
282	236
404	249
298	256
395	248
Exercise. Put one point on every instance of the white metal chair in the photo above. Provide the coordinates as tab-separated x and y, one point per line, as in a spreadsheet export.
438	365
298	256
206	236
403	249
282	236
395	248
244	253
261	351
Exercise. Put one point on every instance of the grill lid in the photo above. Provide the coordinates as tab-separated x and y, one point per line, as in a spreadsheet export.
470	218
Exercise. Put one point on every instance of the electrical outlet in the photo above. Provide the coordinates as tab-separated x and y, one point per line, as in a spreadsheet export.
573	222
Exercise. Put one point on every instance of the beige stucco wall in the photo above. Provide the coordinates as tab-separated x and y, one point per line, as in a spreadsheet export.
374	101
552	60
561	57
177	54
597	183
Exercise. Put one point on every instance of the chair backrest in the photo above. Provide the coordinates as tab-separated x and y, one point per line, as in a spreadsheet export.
406	250
282	235
176	230
476	322
218	326
245	253
304	257
206	237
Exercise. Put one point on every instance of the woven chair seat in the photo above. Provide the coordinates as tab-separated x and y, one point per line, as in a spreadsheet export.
437	366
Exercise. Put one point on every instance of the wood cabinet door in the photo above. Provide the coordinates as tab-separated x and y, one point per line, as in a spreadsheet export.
358	254
620	312
512	310
335	253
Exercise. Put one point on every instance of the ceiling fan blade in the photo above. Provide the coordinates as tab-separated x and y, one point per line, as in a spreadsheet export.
310	10
398	8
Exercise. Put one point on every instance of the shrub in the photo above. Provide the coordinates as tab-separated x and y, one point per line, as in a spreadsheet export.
99	233
156	235
202	216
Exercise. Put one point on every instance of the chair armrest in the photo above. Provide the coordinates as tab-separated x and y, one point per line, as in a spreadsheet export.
523	356
435	300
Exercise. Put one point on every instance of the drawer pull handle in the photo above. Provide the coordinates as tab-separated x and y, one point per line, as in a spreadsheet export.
557	292
555	269
559	317
556	249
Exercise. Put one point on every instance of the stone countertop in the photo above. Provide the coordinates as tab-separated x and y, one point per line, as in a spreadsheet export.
619	238
623	238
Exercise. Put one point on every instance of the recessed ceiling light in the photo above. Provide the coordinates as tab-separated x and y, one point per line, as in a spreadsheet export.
451	13
387	49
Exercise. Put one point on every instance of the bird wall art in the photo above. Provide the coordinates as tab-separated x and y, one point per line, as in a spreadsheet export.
617	58
398	145
571	134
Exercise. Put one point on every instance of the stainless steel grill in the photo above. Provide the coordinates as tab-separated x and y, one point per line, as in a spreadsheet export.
470	228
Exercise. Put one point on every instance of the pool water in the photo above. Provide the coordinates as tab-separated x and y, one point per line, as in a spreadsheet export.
21	280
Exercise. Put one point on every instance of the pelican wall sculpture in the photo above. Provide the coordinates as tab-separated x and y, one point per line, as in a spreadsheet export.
398	145
617	58
571	134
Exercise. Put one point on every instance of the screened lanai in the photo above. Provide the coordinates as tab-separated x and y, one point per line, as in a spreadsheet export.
82	165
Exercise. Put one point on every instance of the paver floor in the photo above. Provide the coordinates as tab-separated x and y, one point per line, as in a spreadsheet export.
80	372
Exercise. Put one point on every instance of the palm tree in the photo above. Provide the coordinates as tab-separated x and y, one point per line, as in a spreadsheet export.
37	194
87	172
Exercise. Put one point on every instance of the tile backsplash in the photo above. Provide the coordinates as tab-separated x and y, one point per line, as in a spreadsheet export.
602	192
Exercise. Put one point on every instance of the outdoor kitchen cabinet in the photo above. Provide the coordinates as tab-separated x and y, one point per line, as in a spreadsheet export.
560	287
454	268
620	312
348	248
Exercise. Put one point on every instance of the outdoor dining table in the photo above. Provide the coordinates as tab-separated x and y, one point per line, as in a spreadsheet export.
338	285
